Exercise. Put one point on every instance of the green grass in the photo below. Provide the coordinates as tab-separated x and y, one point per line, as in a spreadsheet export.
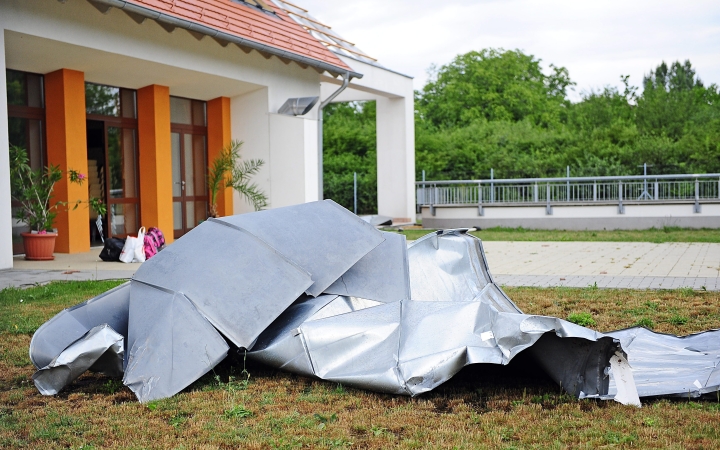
241	404
667	234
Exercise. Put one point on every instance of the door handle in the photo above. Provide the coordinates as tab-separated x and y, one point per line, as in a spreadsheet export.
181	183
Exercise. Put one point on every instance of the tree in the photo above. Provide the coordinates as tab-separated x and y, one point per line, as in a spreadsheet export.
494	84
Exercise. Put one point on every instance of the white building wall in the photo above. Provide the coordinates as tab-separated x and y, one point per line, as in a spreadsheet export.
250	124
291	142
6	260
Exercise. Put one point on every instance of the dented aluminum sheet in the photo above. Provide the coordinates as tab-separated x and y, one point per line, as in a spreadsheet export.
323	238
314	290
456	316
668	365
100	350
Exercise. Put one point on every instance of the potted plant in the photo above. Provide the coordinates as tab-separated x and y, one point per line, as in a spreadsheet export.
226	170
33	190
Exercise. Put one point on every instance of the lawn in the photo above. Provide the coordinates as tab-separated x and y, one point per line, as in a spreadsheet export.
667	234
246	405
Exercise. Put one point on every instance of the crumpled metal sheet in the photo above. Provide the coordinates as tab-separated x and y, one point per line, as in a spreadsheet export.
457	316
100	350
314	290
71	324
170	344
668	365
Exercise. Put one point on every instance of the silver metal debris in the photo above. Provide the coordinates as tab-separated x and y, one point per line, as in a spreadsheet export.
315	290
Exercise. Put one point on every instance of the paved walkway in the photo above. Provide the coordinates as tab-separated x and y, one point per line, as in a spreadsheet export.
637	265
80	266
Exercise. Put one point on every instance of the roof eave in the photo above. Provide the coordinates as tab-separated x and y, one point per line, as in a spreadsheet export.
172	21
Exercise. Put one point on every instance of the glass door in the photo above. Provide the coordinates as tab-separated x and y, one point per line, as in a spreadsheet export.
189	168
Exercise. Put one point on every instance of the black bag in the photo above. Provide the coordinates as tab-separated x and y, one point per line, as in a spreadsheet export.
112	249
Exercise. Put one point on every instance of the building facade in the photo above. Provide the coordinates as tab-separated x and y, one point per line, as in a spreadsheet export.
141	94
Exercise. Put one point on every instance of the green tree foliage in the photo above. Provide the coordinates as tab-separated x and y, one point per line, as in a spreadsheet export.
502	110
494	85
349	141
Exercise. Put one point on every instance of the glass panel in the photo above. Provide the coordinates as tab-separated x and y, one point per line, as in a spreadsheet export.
180	111
123	218
27	133
16	87
190	215
35	90
129	163
102	100
177	215
188	175
200	163
198	113
176	175
127	103
115	163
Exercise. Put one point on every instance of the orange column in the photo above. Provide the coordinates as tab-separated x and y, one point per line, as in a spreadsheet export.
218	129
156	202
67	148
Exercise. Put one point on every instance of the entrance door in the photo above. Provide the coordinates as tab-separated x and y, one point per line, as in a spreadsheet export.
112	177
189	168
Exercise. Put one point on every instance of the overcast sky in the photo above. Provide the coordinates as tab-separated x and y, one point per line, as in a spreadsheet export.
596	40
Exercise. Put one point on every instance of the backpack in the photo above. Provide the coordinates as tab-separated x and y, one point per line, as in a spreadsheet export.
158	236
154	241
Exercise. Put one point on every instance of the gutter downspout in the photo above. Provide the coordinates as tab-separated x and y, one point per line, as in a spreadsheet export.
346	81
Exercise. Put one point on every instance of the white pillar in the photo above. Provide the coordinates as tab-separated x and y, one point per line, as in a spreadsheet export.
293	160
396	158
6	259
249	122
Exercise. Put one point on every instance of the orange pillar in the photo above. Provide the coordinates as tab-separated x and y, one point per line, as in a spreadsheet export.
218	129
67	148
156	201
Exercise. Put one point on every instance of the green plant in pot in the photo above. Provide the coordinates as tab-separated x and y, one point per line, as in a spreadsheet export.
33	191
227	170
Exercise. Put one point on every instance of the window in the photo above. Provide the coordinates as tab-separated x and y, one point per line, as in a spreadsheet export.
26	126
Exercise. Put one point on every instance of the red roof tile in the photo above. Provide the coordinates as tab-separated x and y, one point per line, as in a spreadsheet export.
247	22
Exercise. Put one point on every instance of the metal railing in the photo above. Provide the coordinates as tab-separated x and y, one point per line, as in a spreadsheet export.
582	190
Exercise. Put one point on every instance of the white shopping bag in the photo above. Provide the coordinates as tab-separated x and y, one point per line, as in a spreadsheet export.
133	250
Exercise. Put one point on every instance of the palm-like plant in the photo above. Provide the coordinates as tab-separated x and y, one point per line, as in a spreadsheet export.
227	170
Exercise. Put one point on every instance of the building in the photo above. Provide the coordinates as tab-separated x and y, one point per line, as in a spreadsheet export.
140	94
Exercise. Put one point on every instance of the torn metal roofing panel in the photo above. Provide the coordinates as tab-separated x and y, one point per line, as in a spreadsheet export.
71	324
100	350
170	344
322	237
380	275
664	364
407	321
237	282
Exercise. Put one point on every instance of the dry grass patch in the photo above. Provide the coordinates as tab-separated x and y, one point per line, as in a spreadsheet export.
482	407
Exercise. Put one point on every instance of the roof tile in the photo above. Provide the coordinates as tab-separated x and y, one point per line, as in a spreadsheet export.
247	22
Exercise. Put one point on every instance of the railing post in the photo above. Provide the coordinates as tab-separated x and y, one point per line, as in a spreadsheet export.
535	193
492	186
621	208
657	190
696	210
434	200
568	183
480	206
594	190
548	207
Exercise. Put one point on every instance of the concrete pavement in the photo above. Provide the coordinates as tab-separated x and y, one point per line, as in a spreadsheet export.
638	265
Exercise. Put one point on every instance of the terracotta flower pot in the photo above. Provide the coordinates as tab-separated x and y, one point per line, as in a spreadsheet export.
39	247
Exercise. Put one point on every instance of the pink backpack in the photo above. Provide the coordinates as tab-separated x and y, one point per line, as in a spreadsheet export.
153	242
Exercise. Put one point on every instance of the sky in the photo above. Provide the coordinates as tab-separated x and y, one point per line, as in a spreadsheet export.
597	41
